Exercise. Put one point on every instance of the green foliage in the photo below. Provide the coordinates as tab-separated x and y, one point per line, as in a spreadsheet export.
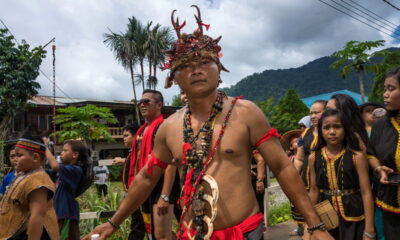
84	122
266	106
288	112
391	60
115	172
19	67
90	202
354	57
279	214
176	101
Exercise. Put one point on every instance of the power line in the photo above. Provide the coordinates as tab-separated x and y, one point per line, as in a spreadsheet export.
391	4
15	39
393	24
364	17
359	20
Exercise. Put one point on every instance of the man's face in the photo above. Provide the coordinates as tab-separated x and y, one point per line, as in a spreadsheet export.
128	138
149	107
316	111
367	114
198	77
25	160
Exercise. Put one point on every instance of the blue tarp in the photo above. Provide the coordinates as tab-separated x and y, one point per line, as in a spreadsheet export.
326	96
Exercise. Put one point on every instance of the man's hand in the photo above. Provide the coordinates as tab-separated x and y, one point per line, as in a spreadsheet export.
118	160
321	235
162	207
105	230
260	187
384	171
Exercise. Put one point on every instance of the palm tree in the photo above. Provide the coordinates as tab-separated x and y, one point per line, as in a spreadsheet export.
159	40
125	53
138	34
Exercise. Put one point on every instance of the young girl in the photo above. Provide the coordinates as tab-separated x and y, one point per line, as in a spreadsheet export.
69	175
339	173
26	210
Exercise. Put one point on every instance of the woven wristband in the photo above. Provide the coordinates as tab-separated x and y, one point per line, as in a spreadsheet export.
113	224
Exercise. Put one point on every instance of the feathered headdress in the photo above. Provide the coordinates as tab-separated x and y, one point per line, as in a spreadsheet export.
191	46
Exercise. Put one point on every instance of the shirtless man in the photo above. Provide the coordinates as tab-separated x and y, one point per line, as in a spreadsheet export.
198	74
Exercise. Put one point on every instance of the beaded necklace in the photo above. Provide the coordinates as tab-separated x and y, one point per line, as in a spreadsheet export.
195	157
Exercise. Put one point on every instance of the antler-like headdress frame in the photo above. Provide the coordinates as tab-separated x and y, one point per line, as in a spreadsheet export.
191	46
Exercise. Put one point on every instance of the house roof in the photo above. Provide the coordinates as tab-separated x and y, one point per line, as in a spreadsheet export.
326	96
60	101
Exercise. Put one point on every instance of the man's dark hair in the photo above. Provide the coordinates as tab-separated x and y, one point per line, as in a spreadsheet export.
132	128
157	94
320	101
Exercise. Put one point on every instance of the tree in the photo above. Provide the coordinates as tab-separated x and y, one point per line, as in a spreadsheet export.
354	57
176	101
19	67
159	40
288	112
266	106
390	61
87	123
124	49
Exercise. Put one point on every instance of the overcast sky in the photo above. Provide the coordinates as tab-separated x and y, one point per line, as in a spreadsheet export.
256	35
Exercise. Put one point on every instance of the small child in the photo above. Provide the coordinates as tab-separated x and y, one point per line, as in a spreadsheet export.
26	210
289	143
68	175
9	177
339	173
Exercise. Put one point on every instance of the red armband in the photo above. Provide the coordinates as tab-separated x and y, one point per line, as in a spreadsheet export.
271	133
153	161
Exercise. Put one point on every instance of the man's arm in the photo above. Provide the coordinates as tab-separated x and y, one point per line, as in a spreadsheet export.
37	208
288	177
50	157
140	189
260	188
169	178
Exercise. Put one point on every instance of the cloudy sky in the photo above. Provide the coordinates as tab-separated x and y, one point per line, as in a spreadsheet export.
256	35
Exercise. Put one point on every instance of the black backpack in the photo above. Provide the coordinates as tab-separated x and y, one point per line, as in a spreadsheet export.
86	178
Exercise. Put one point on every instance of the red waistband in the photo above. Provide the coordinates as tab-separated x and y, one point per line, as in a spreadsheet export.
235	232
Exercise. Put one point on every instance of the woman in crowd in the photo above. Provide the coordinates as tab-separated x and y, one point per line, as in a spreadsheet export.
384	156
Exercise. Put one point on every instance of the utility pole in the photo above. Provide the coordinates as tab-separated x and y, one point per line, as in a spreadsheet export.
54	94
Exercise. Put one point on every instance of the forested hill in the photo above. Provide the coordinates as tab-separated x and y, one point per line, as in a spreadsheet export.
314	78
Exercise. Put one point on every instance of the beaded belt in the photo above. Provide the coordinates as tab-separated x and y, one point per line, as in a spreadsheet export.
338	192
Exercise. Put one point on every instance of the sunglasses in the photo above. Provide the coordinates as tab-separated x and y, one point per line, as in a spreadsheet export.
144	101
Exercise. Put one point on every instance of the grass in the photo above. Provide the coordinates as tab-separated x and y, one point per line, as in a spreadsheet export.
280	213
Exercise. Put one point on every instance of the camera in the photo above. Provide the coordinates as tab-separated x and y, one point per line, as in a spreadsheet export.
394	178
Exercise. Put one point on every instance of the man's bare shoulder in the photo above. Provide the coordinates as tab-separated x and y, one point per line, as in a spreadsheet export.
172	119
248	109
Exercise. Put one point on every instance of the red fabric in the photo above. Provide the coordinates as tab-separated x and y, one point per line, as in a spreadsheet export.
155	162
271	133
28	148
145	147
185	148
235	232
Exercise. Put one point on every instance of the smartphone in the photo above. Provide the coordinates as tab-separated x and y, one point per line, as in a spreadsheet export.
394	178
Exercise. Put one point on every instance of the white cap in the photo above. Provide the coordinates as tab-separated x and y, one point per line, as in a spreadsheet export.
95	237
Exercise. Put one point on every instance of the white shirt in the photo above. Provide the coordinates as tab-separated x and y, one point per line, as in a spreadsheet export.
101	173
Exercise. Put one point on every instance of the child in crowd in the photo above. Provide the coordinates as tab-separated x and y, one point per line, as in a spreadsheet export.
26	210
289	143
339	173
9	177
69	175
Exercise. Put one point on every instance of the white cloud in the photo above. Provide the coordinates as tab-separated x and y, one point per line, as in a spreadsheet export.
257	35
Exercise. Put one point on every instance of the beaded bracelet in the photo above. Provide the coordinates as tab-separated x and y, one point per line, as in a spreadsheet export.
320	226
113	224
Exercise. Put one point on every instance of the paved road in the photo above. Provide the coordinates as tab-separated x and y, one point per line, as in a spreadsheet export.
281	231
